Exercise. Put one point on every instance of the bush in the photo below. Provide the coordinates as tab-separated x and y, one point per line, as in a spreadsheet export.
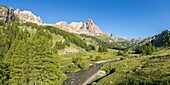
84	65
77	60
91	57
60	45
102	49
80	63
147	49
120	53
108	68
92	47
98	58
2	22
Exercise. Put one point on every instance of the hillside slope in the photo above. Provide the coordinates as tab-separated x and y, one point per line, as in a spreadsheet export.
159	40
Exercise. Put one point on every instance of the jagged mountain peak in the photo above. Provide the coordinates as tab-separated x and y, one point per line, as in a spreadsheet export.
88	28
80	28
137	40
28	16
90	22
61	23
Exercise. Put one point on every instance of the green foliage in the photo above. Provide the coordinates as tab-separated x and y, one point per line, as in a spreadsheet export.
2	22
30	24
102	49
81	63
147	49
77	60
60	45
99	41
108	68
69	67
9	34
122	53
90	47
84	65
97	58
148	75
4	73
107	44
69	37
162	39
91	57
151	70
30	59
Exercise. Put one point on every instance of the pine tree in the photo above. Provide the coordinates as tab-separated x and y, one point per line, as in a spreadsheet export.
33	63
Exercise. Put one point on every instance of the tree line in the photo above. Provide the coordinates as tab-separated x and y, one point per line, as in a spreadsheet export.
146	49
28	58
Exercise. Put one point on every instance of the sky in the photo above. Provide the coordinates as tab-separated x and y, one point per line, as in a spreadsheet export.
124	18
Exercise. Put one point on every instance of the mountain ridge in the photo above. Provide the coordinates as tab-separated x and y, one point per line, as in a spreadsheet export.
88	28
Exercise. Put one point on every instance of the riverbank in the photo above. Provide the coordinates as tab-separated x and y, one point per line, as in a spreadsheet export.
80	77
104	61
99	73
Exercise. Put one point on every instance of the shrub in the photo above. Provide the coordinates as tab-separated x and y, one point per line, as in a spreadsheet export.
108	68
98	58
2	22
102	49
77	60
91	57
120	53
80	63
84	65
147	49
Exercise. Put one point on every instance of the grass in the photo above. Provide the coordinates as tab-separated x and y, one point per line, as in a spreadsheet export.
146	69
66	59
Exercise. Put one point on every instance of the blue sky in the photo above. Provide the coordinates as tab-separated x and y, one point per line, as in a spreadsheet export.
124	18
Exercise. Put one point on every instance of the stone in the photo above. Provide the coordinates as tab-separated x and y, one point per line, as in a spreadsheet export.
80	28
137	40
28	16
6	13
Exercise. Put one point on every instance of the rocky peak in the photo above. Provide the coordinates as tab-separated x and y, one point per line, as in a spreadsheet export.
17	11
79	27
27	16
62	23
6	13
90	22
137	40
93	28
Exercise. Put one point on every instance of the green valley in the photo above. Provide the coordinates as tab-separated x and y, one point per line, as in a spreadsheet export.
35	53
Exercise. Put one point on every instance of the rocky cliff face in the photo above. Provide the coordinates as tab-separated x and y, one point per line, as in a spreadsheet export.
27	16
80	28
6	13
137	40
91	27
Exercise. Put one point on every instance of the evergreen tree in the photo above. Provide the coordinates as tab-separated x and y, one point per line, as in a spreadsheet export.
147	49
33	63
4	73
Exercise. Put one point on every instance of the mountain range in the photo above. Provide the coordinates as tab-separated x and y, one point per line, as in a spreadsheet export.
88	28
74	27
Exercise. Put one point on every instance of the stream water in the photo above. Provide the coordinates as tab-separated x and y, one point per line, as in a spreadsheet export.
78	78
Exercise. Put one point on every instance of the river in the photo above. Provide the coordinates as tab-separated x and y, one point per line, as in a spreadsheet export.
78	78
